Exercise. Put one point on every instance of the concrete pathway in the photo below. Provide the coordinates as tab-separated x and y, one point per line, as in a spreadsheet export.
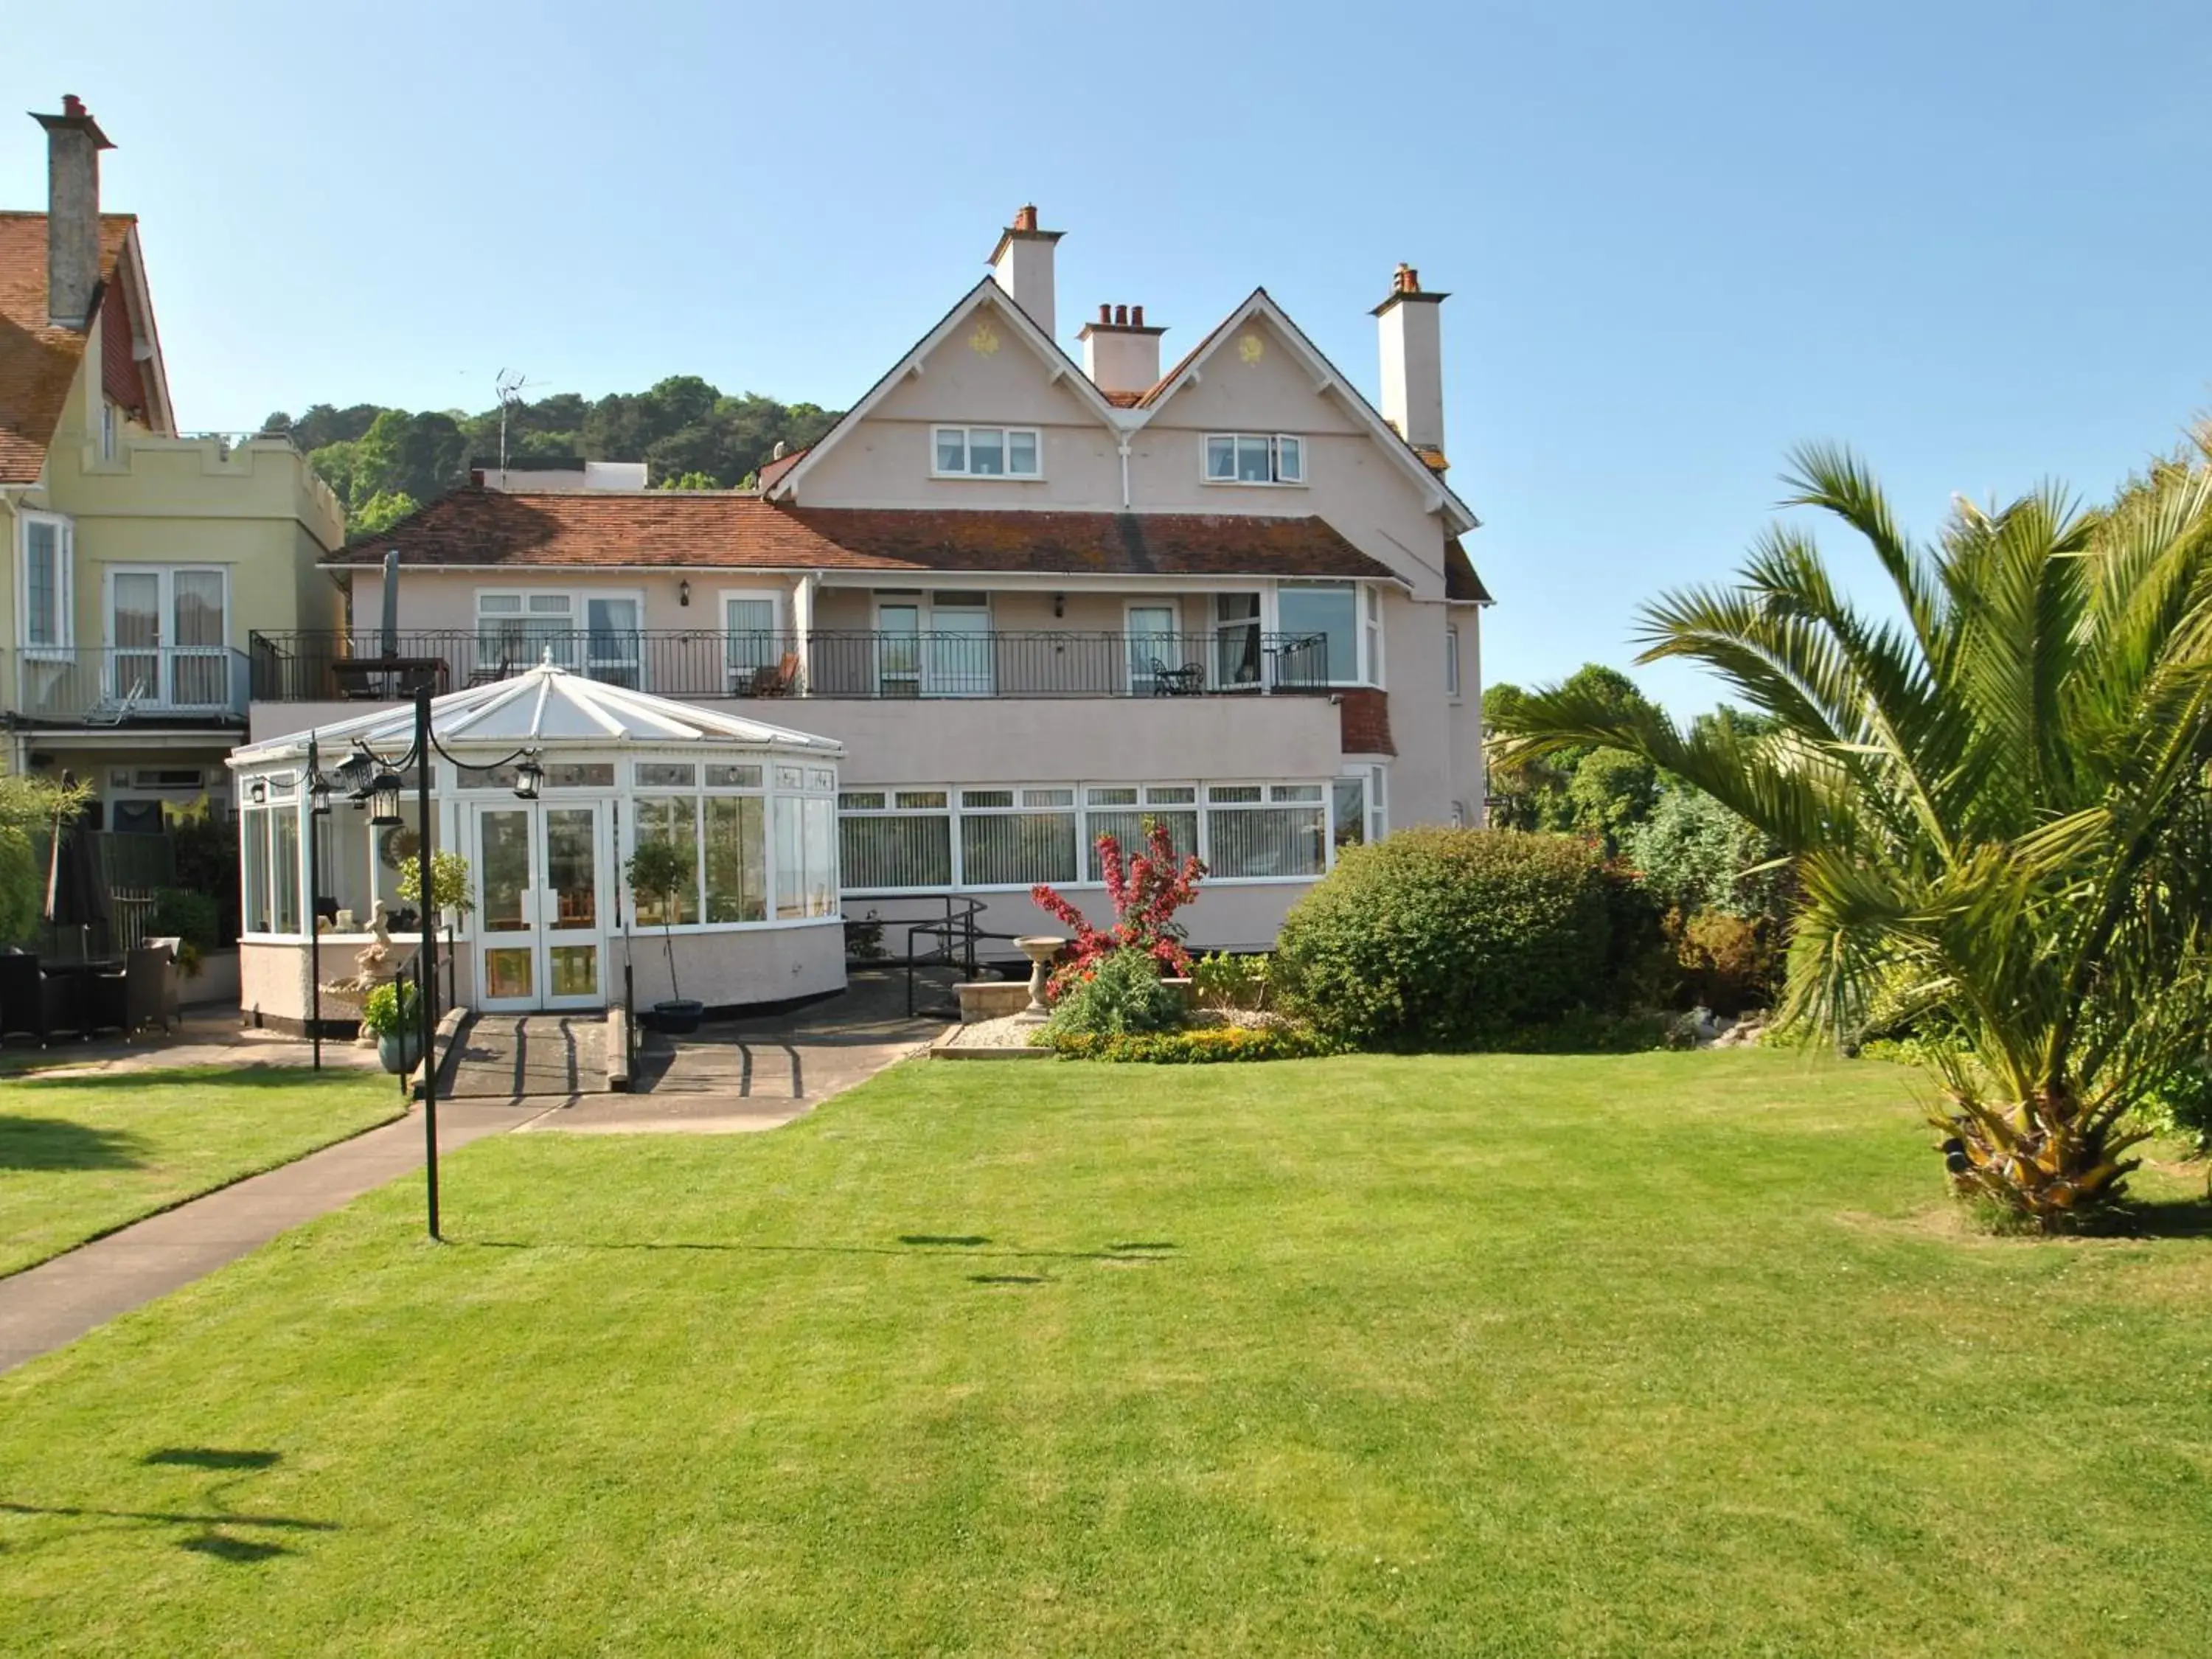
58	1301
521	1056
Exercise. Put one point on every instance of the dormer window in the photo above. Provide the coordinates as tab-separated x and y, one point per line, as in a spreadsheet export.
1255	458
987	452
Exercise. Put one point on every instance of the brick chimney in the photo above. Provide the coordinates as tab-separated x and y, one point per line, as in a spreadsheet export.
1412	364
1120	353
1022	265
73	141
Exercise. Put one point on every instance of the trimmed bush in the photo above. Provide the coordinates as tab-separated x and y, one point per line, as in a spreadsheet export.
1200	1045
1448	939
1727	963
180	912
1123	994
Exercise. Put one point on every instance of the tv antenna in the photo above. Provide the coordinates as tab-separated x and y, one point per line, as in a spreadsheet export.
509	384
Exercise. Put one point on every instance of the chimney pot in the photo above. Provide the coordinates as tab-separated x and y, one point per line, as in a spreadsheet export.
1105	316
1025	217
1120	316
71	104
1136	316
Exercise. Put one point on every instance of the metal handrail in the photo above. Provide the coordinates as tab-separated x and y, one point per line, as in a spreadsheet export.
318	665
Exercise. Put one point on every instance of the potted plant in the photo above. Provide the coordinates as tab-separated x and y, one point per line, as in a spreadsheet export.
657	873
392	1012
451	895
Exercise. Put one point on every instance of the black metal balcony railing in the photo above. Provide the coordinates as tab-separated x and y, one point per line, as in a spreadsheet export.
309	667
120	685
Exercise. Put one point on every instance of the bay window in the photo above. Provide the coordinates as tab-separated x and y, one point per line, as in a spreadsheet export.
1125	811
1328	612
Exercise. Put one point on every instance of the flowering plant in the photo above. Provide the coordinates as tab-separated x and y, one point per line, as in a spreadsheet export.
1145	889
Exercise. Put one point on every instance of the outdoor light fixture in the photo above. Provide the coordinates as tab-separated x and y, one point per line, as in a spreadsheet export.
319	796
384	800
683	592
258	792
529	777
1060	605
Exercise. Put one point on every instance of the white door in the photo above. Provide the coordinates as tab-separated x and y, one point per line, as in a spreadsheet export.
541	932
1155	648
168	631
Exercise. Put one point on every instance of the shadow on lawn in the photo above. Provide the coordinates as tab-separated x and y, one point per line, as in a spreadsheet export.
213	1531
2181	1218
175	1077
968	1243
55	1143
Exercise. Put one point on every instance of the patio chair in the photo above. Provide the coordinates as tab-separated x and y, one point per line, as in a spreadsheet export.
1187	681
149	989
30	1003
105	1003
779	681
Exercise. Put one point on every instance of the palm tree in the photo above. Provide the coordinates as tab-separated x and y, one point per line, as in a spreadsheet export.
1995	805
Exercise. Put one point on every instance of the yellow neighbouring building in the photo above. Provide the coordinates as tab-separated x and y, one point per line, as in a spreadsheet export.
140	559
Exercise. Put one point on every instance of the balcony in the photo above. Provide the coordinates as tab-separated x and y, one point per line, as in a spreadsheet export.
124	685
702	664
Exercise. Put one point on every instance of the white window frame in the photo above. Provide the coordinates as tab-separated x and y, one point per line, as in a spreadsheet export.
1274	441
779	627
1452	662
1150	794
64	639
1006	448
782	777
579	625
1365	673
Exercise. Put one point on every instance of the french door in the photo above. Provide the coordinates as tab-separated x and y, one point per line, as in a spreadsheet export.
942	650
541	933
167	633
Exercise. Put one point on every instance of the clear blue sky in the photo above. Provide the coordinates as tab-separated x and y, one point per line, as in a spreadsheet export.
1678	238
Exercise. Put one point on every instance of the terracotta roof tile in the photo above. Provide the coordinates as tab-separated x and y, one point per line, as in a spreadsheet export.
475	526
37	361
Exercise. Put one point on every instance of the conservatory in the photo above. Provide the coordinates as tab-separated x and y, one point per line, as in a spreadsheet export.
544	784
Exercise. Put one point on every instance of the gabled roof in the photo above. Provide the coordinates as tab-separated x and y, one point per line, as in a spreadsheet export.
1326	378
478	528
986	291
543	706
37	362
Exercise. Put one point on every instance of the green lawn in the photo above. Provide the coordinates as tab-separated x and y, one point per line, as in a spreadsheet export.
1664	1353
80	1157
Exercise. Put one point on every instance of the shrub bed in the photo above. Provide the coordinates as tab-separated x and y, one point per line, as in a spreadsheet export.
1448	939
1199	1045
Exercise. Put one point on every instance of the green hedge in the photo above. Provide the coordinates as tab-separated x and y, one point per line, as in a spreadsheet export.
1449	939
1200	1045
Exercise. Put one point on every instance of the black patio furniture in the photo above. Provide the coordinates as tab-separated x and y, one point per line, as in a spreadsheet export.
30	999
1187	681
150	986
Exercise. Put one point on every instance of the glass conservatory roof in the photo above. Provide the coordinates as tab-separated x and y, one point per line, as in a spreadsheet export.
550	709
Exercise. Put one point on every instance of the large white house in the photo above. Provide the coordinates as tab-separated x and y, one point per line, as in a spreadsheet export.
1034	596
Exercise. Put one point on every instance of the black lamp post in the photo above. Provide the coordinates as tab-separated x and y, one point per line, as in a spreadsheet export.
319	808
426	959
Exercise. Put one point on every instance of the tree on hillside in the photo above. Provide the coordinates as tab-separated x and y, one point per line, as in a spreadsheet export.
682	427
1576	790
1996	808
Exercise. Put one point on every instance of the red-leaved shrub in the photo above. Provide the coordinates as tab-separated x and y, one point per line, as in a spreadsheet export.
1145	889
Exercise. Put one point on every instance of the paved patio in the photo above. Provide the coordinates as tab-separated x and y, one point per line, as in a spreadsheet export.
205	1037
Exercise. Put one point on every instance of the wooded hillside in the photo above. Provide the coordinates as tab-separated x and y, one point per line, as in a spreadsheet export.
385	462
